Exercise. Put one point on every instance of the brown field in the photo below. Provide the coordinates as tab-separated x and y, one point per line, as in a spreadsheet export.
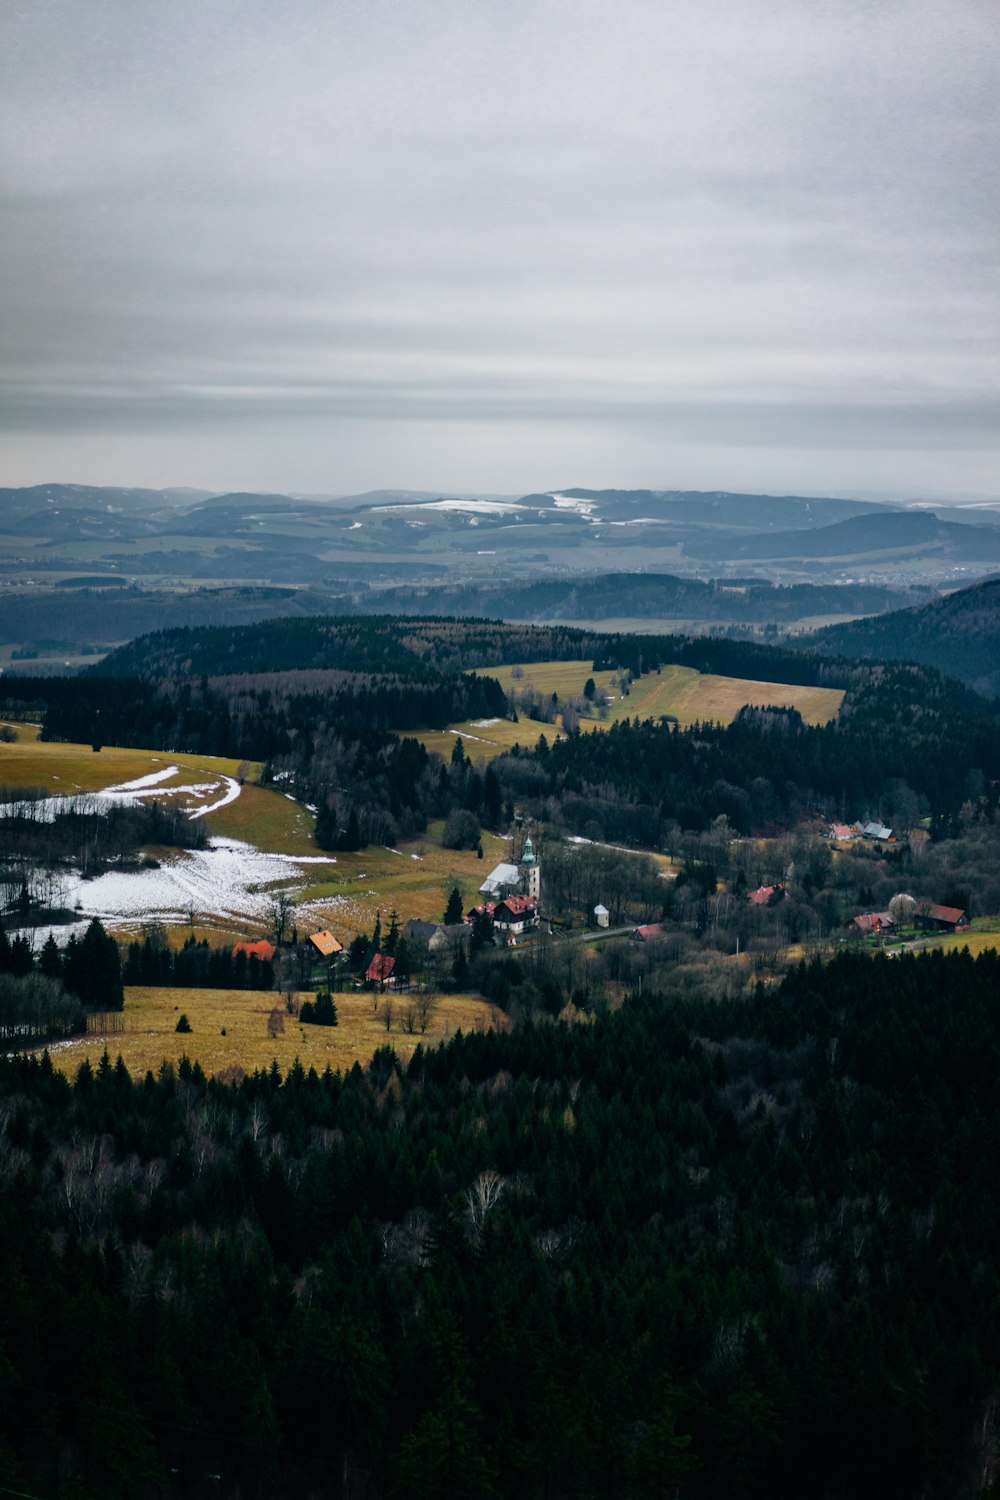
26	733
692	697
150	1018
689	696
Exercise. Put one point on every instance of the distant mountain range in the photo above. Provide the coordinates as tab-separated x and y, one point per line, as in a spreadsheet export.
401	535
959	634
891	532
180	555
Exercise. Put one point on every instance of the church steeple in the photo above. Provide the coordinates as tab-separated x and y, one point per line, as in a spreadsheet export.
530	872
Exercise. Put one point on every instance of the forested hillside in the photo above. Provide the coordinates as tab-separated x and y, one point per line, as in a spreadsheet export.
610	596
898	725
330	731
732	1250
959	634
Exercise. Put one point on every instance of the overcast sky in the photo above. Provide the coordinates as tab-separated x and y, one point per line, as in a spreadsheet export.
501	245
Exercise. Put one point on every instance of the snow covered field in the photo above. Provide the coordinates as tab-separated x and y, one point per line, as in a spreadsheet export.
221	789
229	880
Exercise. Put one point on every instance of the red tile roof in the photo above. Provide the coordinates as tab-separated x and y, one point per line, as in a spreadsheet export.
872	921
380	967
953	915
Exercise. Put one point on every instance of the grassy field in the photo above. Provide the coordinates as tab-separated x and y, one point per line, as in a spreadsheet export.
150	1019
26	734
983	934
64	769
689	696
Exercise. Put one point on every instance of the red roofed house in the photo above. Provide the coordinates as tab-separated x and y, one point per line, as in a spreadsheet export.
871	922
940	918
767	895
840	831
262	950
514	914
650	930
379	971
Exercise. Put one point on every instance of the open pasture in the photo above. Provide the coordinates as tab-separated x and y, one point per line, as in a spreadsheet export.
25	734
150	1018
688	696
65	769
983	935
692	697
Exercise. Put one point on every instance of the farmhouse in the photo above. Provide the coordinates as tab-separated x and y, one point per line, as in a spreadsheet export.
418	931
840	831
325	944
877	831
379	971
940	918
647	932
448	935
872	922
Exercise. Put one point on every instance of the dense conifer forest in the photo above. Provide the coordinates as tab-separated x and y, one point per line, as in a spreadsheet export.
736	1249
717	1241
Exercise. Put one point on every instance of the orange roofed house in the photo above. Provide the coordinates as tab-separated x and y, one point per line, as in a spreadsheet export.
325	944
263	950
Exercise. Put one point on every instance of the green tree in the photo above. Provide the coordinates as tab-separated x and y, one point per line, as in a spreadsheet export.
453	912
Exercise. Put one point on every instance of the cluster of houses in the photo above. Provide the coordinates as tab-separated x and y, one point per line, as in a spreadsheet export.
846	832
511	895
927	915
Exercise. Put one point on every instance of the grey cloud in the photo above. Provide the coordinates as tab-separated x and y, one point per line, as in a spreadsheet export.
722	226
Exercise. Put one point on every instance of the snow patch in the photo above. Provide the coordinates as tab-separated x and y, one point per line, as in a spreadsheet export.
230	879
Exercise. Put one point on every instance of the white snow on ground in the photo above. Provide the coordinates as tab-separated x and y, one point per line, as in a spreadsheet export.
582	507
484	723
488	507
130	794
229	879
231	793
140	783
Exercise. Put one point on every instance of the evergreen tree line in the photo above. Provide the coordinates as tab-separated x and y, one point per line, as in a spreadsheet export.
197	965
48	997
728	1250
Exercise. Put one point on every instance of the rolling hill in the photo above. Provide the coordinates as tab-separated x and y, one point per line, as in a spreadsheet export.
960	635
